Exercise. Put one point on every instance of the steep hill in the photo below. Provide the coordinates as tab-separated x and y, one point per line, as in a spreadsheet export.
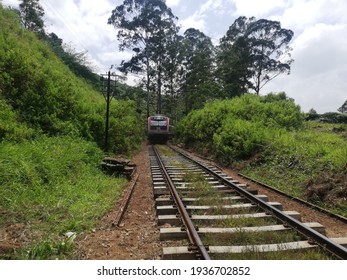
45	97
51	133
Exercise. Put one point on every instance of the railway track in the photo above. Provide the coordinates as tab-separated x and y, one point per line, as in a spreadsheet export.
205	214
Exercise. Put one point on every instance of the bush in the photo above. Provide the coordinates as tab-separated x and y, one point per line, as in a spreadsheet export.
333	117
10	128
239	139
56	181
238	128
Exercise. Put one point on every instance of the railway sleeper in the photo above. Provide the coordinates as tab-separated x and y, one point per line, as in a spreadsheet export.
177	233
173	220
161	201
171	209
219	188
181	174
212	182
340	240
183	253
160	191
184	170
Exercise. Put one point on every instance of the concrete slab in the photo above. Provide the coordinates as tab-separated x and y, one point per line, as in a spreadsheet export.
175	233
170	209
182	253
206	219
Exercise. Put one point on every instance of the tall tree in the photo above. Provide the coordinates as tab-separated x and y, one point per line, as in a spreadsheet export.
143	26
343	108
199	76
270	51
173	75
233	59
32	13
255	52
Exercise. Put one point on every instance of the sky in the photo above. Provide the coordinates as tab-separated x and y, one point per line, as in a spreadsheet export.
318	77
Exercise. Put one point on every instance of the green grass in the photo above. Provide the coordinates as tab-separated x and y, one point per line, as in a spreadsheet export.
53	186
296	158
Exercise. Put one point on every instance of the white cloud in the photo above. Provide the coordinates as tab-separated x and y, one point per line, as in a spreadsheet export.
172	3
11	3
256	8
318	73
212	6
196	21
300	14
203	15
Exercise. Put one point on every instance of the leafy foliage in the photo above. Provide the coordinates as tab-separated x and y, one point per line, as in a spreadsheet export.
10	128
32	13
76	61
145	27
53	186
240	127
252	53
50	125
343	108
47	97
198	69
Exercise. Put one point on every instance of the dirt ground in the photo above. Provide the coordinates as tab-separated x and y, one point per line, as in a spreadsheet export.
137	237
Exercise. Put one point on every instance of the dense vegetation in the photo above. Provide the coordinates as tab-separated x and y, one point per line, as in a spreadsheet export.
45	96
181	72
268	139
49	187
51	133
238	128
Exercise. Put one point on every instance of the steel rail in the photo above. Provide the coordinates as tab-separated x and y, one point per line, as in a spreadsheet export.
304	202
125	202
193	235
324	242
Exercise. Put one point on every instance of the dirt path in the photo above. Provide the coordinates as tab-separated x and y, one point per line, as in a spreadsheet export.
137	237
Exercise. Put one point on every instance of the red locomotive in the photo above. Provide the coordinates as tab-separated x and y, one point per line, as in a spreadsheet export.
158	130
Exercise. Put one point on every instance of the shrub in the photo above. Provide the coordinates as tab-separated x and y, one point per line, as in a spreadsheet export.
238	128
10	128
239	139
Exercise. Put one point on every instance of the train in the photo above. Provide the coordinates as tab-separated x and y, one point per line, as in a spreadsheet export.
158	129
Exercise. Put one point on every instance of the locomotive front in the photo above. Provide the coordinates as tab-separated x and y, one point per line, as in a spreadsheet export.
158	129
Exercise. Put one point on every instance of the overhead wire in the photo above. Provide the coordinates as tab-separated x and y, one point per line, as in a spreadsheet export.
69	27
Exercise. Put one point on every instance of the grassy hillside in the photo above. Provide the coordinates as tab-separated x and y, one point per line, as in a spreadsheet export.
47	97
268	139
51	134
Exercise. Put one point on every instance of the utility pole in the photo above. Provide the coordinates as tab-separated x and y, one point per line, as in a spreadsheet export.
108	92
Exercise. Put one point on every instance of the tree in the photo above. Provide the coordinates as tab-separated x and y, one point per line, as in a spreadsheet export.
143	28
254	52
31	13
233	59
173	77
270	51
199	68
343	108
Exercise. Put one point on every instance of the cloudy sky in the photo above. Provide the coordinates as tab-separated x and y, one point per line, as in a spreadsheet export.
319	74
